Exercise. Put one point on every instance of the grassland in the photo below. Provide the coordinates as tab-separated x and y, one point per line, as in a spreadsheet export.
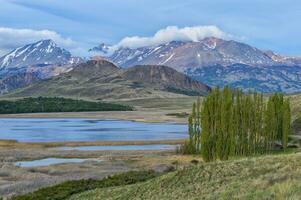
264	177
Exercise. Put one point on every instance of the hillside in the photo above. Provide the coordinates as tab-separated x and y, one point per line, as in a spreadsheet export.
266	177
103	80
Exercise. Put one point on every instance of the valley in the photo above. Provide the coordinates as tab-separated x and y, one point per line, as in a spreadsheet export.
116	156
190	112
24	180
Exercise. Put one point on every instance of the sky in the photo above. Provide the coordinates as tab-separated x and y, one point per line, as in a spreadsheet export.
78	25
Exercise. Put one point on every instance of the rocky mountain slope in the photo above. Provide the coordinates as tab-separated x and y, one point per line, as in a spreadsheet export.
218	62
40	60
42	52
265	79
103	80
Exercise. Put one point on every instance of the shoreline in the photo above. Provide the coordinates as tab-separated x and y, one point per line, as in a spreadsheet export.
137	116
17	144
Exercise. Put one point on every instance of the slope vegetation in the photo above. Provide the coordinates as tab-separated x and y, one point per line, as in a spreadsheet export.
266	177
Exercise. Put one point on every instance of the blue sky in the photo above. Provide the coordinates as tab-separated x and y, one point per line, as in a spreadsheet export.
80	24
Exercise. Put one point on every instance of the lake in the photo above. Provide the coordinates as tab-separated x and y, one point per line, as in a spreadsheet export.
55	130
53	161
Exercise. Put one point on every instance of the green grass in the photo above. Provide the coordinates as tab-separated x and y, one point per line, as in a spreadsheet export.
173	104
182	91
179	114
65	190
56	104
262	177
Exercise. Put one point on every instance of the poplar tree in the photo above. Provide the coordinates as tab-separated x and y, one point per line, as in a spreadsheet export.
230	122
286	123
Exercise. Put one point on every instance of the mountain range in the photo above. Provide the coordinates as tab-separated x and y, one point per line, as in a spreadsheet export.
212	61
100	79
218	62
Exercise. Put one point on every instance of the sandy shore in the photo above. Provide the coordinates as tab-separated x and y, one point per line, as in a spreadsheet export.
16	144
141	116
17	180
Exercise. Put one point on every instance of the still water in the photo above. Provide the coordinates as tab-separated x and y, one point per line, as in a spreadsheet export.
54	130
52	161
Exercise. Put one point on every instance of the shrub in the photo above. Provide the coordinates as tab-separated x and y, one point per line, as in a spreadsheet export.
194	161
56	104
186	148
65	190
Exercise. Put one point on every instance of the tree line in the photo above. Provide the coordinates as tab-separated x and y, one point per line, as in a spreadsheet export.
56	104
232	123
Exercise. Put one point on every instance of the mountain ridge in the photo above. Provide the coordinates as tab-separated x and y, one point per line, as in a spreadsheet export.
100	79
41	52
207	59
39	60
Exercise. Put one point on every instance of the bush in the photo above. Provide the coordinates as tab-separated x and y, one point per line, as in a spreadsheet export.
186	148
183	91
65	190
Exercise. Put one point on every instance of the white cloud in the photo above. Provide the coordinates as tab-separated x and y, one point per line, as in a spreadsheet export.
173	33
11	38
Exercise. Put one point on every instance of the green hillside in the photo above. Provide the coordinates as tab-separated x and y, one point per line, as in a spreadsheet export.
265	177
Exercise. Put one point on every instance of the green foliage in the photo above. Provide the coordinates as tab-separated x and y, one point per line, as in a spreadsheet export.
268	177
192	145
65	190
179	114
186	148
56	104
182	91
238	124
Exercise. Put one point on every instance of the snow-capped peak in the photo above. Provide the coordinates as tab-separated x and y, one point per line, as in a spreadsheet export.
211	42
41	52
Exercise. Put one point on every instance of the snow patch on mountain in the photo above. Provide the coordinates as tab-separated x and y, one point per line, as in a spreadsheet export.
41	52
215	62
33	62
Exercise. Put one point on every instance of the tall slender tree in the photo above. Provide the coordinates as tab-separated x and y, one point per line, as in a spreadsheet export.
237	123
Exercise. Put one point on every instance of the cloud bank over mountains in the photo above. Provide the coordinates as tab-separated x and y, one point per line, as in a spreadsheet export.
173	33
11	38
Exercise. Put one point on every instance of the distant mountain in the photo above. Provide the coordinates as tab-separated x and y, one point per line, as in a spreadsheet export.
103	48
100	79
265	79
39	60
239	64
42	52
